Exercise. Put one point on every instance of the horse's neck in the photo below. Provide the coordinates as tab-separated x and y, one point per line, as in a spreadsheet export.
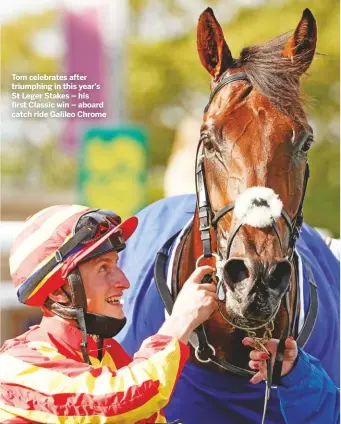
220	334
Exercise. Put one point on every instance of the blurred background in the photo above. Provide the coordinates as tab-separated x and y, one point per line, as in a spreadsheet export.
143	54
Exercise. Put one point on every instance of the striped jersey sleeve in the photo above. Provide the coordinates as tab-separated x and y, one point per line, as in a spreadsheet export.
39	384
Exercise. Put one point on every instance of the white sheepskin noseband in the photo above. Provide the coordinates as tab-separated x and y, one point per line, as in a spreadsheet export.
258	207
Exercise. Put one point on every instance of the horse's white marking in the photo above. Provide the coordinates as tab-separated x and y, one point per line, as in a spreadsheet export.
258	207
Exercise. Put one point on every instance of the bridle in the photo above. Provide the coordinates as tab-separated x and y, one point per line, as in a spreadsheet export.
204	351
208	219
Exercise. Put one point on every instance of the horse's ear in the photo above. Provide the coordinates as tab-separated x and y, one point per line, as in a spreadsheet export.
302	43
213	50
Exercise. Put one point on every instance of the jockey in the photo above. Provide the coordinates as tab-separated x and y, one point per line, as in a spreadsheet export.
70	369
65	261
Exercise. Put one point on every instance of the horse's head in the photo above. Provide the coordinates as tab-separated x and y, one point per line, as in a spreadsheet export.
255	137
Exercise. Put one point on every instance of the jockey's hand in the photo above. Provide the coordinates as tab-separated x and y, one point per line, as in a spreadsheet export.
196	300
258	358
195	304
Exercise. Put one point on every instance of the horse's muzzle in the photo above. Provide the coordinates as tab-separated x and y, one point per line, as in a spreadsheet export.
252	276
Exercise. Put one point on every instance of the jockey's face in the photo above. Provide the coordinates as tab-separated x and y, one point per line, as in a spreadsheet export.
104	283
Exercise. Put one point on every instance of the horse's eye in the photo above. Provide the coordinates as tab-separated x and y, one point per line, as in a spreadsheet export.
306	145
208	144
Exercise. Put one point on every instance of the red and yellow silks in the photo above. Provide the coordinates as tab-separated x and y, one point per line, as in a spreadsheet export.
44	380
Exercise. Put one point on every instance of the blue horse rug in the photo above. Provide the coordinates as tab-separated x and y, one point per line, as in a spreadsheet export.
203	396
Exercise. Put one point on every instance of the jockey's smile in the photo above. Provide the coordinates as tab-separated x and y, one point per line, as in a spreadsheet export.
104	283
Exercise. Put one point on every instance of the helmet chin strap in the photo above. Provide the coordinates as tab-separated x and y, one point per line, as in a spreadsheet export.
100	325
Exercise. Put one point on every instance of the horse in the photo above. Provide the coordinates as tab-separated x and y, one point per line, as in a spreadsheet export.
275	275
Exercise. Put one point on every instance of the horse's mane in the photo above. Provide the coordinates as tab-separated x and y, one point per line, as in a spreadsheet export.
276	76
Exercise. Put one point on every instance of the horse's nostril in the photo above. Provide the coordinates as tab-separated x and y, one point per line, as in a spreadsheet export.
280	275
235	271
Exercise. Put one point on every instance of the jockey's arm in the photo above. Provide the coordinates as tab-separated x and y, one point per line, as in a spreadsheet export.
65	387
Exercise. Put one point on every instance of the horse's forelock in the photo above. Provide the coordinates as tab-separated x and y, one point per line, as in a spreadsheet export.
276	76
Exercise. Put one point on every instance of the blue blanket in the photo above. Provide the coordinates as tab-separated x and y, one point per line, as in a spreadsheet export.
203	396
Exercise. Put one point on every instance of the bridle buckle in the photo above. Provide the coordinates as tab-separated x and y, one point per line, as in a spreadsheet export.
196	353
205	257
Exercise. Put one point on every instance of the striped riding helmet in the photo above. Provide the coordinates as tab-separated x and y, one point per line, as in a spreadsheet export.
55	240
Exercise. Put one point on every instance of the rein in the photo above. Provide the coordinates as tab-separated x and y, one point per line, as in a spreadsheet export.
204	351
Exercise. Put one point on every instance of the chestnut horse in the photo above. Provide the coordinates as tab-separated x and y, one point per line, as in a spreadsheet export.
251	178
254	136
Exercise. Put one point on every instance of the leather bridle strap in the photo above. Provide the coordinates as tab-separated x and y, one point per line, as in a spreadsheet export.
79	303
308	325
239	76
205	352
203	205
277	368
221	213
159	274
298	220
239	223
311	317
294	225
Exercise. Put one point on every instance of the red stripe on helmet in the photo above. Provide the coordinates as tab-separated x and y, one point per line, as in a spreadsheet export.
35	258
36	223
